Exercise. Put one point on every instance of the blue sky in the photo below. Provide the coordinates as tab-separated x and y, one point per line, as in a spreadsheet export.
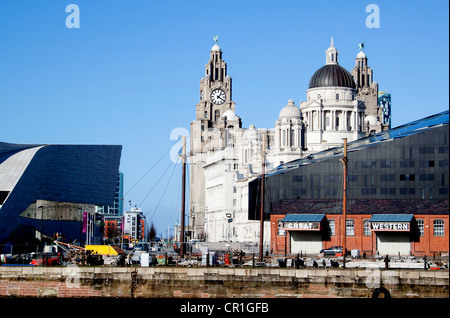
130	74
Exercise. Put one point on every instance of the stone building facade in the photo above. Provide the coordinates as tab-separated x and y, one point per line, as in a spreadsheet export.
225	156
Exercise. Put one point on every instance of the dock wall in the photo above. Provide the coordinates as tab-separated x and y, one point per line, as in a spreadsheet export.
218	282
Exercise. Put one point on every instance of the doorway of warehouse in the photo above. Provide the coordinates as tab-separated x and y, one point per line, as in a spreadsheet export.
308	242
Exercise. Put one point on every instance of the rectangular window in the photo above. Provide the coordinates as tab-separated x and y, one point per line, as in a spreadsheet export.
443	163
369	164
426	150
426	177
438	227
367	231
420	227
387	164
330	191
369	191
331	227
296	192
407	164
350	228
337	96
426	163
331	178
407	177
407	191
352	178
387	177
299	178
217	115
388	191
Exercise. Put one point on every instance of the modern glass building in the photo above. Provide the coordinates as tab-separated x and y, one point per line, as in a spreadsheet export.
49	189
402	171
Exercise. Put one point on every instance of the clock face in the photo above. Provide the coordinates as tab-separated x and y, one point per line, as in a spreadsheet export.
218	96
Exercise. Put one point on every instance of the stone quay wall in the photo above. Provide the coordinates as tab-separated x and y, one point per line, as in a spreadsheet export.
218	282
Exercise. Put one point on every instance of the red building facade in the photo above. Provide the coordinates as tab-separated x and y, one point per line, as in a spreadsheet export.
432	238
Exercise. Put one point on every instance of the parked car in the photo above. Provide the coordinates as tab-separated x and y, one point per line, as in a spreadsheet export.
331	250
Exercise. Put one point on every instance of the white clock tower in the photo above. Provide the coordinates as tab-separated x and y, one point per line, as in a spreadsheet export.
207	132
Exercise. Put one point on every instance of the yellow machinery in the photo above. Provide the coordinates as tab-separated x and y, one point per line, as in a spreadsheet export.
102	249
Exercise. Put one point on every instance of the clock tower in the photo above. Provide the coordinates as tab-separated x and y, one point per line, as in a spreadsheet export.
215	89
207	132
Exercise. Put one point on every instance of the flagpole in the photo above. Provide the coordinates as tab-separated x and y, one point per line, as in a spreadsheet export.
344	201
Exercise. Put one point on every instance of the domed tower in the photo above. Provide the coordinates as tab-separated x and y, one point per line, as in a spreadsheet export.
331	111
289	135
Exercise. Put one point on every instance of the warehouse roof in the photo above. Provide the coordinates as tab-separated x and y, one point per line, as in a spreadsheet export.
303	218
362	206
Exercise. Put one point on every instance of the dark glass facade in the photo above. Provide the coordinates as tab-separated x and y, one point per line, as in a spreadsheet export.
407	164
82	174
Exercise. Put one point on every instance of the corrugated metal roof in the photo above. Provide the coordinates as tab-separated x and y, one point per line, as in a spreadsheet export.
392	218
303	218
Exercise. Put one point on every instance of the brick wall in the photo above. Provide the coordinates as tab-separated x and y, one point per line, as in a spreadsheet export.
199	282
425	245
